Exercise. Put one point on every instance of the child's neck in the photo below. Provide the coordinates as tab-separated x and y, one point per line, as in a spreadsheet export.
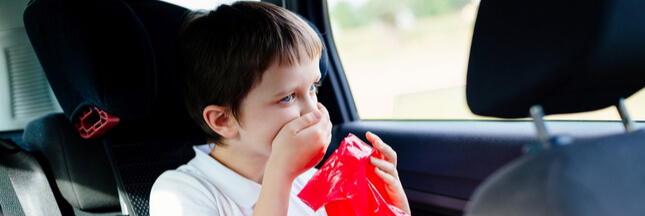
244	163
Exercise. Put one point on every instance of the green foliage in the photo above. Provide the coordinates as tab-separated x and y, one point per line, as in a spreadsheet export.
382	9
423	8
347	15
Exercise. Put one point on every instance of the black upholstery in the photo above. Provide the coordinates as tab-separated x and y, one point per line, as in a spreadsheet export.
323	64
117	56
568	56
80	167
141	150
587	178
86	50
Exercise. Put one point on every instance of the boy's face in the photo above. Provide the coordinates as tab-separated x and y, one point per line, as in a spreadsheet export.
285	93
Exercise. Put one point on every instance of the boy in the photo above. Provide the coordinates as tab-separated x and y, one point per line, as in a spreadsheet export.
251	73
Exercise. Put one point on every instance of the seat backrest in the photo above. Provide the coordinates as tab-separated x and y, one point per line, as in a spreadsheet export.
116	56
596	177
80	167
567	56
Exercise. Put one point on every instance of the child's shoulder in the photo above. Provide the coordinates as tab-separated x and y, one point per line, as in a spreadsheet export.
183	188
184	176
177	192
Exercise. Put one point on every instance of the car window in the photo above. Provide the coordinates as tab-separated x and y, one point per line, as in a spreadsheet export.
408	59
201	4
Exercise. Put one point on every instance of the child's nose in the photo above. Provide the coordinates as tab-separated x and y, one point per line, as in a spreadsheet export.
309	105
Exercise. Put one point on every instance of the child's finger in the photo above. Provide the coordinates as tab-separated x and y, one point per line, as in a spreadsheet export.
325	114
382	147
328	129
373	138
325	123
387	178
384	166
303	122
324	111
395	190
319	131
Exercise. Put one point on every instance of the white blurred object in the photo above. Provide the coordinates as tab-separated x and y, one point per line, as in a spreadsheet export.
405	19
201	4
469	11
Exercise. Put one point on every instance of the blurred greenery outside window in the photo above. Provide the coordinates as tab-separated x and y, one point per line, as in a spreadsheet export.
407	59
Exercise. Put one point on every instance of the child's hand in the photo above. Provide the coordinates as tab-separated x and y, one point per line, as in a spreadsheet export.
386	169
301	143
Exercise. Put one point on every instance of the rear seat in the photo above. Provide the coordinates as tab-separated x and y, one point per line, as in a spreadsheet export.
115	56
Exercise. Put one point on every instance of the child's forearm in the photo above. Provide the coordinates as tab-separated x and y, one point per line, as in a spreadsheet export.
275	192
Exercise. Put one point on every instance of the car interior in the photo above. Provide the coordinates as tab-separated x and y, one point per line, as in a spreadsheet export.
587	60
92	113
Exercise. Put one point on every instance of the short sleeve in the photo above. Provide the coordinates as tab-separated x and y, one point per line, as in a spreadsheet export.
302	179
176	193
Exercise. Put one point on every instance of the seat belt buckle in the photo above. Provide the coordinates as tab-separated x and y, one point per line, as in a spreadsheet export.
94	122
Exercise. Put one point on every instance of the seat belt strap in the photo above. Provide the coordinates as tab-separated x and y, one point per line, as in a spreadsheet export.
9	204
27	181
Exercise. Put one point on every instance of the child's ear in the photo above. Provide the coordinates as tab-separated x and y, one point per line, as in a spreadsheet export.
219	120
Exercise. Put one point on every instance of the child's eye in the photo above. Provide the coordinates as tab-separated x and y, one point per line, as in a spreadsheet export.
314	87
287	99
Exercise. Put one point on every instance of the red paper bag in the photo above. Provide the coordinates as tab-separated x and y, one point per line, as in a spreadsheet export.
347	184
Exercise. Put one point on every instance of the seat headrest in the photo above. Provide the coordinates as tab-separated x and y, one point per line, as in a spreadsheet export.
95	53
567	56
323	64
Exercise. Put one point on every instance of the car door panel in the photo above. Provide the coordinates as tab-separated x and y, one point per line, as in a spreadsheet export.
440	163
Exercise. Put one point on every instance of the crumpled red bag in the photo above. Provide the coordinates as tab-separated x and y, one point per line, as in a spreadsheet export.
347	184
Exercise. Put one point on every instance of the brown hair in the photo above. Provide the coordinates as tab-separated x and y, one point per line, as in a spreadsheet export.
223	53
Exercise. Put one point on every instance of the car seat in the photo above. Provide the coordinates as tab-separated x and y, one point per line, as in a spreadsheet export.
111	65
566	57
110	61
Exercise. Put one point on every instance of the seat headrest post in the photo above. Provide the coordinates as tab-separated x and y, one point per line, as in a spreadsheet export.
545	140
538	119
624	116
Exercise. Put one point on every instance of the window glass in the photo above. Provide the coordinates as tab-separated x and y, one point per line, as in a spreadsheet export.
402	58
407	59
200	4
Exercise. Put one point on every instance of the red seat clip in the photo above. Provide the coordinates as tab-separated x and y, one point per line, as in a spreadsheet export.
93	122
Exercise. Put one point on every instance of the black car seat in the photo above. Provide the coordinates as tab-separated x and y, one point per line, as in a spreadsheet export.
110	64
566	57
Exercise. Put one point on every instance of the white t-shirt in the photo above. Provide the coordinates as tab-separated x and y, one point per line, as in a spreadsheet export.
204	186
